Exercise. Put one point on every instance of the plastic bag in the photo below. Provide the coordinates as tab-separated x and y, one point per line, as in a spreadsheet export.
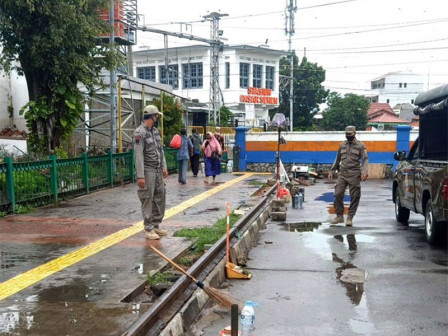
176	141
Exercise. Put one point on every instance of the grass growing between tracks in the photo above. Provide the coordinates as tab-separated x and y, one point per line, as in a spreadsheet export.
202	236
207	234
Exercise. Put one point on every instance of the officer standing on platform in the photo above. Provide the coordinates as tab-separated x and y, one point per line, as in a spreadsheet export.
352	165
150	166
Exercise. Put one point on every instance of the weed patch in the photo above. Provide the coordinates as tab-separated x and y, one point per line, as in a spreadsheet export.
207	234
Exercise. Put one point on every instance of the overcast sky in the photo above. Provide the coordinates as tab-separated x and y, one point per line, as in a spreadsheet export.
354	40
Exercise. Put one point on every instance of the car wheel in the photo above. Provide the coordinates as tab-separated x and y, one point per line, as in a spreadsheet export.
431	226
401	213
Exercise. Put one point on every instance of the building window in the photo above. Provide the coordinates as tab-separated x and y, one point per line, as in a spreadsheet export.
270	77
257	73
405	84
388	101
170	77
412	101
193	77
400	85
227	75
148	73
244	75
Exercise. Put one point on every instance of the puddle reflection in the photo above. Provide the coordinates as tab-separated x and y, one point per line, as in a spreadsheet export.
301	227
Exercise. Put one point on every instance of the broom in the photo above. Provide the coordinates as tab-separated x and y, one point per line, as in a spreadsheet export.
220	298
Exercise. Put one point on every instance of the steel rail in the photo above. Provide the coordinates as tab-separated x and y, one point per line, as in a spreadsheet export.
150	317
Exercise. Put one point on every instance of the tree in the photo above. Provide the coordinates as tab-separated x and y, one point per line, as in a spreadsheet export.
56	45
172	116
343	111
225	116
308	91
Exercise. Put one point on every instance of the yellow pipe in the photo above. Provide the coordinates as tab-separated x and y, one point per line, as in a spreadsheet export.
161	110
120	145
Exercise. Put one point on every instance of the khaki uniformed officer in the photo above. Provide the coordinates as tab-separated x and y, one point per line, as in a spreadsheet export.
352	165
150	166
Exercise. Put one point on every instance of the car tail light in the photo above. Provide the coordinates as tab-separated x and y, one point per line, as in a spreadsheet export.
445	189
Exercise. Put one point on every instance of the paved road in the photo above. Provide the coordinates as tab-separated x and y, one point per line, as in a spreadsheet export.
377	278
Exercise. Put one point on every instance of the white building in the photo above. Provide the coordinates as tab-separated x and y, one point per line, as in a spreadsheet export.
248	77
396	88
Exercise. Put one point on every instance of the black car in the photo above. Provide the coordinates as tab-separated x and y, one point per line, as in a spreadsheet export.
421	179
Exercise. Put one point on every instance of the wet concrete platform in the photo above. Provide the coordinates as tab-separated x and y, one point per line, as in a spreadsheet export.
84	296
311	278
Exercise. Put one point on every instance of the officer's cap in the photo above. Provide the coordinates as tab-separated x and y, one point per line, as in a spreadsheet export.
350	130
150	110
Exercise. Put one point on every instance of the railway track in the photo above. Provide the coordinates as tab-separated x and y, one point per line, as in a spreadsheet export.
154	321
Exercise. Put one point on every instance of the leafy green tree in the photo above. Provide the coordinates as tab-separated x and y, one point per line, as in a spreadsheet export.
225	115
343	111
308	91
56	45
172	116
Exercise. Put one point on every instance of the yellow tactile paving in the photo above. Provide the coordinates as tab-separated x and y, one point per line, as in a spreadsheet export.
39	273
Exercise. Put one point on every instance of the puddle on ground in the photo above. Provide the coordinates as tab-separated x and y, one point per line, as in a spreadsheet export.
301	227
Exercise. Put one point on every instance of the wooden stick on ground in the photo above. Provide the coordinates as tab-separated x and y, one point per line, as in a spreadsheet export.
216	295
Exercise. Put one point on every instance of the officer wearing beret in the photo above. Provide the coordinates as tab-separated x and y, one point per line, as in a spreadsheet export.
352	165
150	166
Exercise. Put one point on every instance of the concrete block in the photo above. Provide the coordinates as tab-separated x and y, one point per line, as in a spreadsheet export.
278	216
377	170
277	203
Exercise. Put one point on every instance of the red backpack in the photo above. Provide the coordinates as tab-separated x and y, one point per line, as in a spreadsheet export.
176	141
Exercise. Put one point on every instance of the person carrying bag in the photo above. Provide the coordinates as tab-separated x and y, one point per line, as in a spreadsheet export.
212	151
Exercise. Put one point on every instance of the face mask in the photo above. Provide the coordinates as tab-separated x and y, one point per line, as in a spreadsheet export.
350	137
156	122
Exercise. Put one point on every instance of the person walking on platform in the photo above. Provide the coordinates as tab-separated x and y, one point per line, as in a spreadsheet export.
150	167
183	155
212	151
352	165
196	141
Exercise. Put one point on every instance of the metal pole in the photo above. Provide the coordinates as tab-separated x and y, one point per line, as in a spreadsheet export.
113	80
120	145
292	8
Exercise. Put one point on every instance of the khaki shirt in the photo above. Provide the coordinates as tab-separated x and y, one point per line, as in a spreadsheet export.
351	159
148	150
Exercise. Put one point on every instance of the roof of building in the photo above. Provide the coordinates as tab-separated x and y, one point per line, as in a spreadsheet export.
394	73
387	118
375	107
204	46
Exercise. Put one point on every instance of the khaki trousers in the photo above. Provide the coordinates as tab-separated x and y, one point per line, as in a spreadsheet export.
354	184
153	199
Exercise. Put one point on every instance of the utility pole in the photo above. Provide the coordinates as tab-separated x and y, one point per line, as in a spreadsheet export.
113	80
215	45
289	30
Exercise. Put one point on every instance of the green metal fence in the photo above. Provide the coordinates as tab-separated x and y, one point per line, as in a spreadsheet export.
42	182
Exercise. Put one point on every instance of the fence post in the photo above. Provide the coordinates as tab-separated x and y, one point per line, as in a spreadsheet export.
111	169
131	166
54	177
10	182
85	171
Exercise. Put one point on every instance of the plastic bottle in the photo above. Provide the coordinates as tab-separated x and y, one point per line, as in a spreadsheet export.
295	201
300	200
248	319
